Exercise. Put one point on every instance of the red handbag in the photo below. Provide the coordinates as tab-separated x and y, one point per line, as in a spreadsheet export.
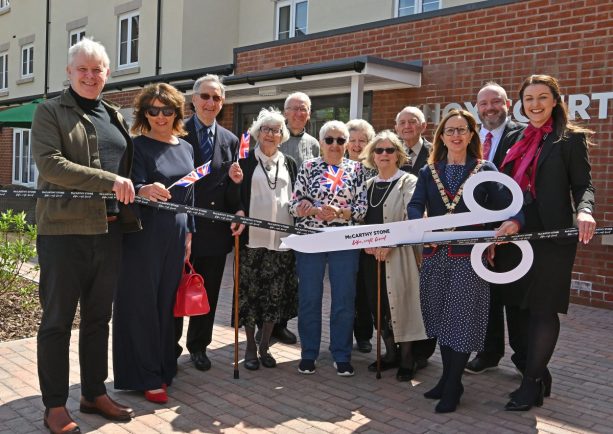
191	295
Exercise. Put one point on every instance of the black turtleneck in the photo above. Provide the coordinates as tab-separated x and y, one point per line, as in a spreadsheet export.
112	144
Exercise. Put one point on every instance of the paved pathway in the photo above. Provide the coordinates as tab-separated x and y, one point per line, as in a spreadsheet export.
283	401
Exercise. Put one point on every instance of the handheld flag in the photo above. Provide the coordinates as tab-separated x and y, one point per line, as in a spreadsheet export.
193	176
243	150
334	178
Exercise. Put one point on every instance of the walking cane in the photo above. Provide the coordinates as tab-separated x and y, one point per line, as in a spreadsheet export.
378	319
236	274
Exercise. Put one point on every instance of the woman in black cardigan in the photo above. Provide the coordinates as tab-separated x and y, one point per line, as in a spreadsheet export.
268	291
549	160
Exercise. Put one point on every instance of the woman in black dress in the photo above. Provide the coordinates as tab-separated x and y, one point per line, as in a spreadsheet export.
143	323
549	160
268	292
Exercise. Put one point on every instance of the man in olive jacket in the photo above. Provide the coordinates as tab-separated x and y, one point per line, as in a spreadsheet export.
80	143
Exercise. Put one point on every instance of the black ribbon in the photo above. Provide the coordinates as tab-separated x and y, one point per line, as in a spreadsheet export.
274	226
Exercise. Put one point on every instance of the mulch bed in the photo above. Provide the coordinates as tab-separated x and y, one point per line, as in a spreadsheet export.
20	312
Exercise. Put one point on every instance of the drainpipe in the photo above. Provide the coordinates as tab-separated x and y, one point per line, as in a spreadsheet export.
158	67
47	23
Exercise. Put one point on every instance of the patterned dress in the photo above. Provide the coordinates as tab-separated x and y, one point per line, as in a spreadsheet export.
454	300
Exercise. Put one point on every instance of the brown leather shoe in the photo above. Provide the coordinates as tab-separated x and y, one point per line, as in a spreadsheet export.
58	421
107	408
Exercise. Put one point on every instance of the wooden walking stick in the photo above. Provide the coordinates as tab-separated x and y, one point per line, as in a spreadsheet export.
378	319
236	277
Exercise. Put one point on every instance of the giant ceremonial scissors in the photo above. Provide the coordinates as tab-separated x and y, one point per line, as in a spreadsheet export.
420	231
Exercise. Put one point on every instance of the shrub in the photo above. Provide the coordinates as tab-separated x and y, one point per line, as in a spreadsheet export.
17	246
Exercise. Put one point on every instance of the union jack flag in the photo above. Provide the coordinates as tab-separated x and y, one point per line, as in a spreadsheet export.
193	176
243	150
334	178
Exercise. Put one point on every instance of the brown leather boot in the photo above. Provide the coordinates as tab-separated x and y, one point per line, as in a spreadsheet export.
107	408
58	421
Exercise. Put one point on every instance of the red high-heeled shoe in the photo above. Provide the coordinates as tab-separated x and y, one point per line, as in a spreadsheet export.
157	397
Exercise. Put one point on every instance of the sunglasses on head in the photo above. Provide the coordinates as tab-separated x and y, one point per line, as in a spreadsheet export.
206	97
380	151
340	140
166	111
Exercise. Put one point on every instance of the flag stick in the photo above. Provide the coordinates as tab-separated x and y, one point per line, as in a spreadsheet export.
378	319
236	277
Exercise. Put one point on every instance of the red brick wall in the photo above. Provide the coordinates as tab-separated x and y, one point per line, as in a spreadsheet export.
6	156
568	39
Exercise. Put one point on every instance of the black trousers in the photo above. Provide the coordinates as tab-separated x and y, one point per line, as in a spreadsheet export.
76	269
517	323
363	323
200	329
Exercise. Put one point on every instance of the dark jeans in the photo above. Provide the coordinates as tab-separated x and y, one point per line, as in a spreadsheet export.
517	322
76	269
200	329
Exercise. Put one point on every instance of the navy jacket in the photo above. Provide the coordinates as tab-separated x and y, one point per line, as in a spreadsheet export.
216	191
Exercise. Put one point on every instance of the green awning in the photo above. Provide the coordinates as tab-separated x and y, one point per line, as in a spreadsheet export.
19	117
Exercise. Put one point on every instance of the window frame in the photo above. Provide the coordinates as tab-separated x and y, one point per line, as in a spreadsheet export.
80	33
292	4
27	48
4	82
128	16
419	7
5	4
19	146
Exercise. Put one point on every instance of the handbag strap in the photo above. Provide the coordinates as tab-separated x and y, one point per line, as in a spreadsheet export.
191	268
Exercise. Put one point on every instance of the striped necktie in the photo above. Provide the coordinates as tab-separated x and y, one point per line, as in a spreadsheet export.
206	144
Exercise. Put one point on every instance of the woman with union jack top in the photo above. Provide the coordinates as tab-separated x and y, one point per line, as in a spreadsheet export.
330	191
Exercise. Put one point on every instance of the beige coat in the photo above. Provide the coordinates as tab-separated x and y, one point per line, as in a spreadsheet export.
402	273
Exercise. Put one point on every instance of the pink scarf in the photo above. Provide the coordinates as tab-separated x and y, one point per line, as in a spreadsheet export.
524	154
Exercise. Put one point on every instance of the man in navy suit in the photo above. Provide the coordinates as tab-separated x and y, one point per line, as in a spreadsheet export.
410	125
218	191
493	108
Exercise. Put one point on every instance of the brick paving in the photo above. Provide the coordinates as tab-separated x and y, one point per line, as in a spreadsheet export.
282	401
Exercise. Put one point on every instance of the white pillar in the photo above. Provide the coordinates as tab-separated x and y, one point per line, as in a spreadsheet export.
357	97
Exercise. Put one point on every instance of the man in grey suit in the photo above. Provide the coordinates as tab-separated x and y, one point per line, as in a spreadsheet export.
493	108
410	125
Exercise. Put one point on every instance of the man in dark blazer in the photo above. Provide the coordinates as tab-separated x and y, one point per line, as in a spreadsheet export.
410	125
218	191
493	108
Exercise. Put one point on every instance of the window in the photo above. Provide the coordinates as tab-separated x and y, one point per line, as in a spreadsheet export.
4	4
291	18
128	40
75	36
27	60
24	169
410	7
4	71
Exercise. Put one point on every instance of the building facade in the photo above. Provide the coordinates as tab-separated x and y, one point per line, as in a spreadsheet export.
355	58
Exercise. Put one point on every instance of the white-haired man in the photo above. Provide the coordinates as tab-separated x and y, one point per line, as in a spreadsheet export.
80	142
410	125
212	240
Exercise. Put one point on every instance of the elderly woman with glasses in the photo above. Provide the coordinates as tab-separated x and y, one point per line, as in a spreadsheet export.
268	292
143	322
454	299
329	191
388	196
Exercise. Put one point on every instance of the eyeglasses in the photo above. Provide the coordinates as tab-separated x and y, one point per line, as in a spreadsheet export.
451	131
299	109
389	151
166	111
339	141
206	97
273	131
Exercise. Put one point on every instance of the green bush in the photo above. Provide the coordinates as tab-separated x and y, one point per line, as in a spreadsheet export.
17	246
